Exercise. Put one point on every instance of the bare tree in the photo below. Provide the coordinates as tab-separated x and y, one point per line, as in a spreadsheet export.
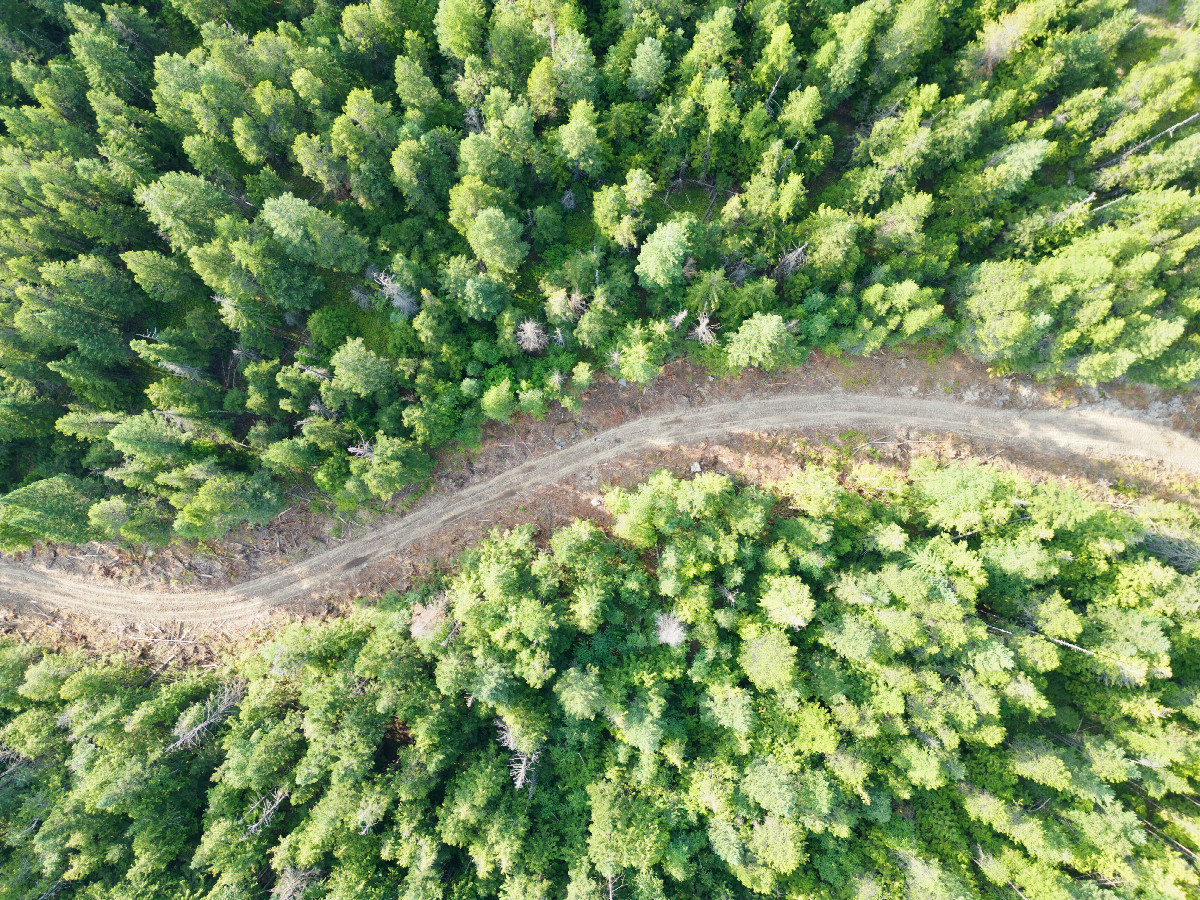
522	766
506	734
188	373
705	331
370	814
1177	552
738	272
531	336
175	419
362	450
320	409
194	725
293	883
427	618
10	761
998	42
568	200
322	374
398	296
53	891
557	380
791	262
1169	131
265	806
679	318
670	629
577	302
614	359
523	769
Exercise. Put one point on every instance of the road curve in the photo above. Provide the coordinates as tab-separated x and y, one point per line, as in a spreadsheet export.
1084	431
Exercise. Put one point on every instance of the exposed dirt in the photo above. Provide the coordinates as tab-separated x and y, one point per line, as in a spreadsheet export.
307	527
516	474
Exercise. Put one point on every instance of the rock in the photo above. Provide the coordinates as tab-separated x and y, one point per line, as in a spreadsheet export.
695	468
622	382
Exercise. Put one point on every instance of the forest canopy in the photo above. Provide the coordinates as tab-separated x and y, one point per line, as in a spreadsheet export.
943	685
245	245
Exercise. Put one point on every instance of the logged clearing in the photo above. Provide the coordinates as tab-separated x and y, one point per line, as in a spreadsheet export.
1052	433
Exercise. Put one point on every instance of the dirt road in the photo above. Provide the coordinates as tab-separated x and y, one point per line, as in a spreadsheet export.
1057	434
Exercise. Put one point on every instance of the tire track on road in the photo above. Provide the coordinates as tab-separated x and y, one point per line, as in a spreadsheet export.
1095	431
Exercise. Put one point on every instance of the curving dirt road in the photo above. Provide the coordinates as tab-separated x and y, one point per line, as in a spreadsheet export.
1091	432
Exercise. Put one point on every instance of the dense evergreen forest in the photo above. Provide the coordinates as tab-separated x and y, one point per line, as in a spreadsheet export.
247	244
941	686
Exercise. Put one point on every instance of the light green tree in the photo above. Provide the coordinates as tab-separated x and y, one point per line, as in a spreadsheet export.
763	341
226	501
663	253
54	508
496	240
498	401
461	27
579	141
359	370
647	69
